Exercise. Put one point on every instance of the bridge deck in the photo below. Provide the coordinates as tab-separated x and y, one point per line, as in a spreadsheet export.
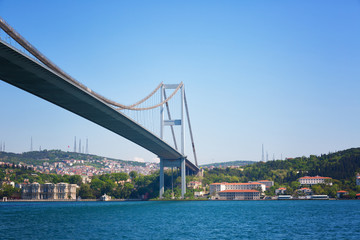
23	72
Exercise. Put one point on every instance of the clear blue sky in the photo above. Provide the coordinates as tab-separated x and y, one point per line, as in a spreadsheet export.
280	73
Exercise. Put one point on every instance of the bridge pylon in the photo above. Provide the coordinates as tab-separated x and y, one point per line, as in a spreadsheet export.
180	162
38	75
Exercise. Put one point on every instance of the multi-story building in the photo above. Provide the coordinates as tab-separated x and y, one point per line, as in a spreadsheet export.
218	187
50	191
358	179
314	180
268	184
239	195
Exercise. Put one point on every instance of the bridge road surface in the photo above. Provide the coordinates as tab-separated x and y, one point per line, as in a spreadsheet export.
25	73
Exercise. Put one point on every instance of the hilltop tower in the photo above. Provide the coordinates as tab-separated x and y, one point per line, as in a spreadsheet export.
75	145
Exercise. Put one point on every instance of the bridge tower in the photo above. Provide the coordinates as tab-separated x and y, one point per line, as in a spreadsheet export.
45	80
180	162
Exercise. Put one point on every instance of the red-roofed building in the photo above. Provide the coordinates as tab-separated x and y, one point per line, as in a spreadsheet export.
267	183
217	187
280	191
314	180
239	195
358	196
341	193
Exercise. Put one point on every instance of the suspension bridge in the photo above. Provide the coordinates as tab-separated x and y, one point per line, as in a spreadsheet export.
23	66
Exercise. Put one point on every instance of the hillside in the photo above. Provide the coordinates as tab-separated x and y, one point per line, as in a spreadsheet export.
51	156
239	163
342	165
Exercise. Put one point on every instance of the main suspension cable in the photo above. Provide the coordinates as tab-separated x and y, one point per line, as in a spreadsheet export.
47	62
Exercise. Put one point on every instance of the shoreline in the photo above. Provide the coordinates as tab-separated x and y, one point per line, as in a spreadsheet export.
168	200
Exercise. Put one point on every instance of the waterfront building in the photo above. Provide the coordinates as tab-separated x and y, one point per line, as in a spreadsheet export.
105	198
358	179
314	180
284	197
358	196
268	184
218	187
239	195
320	197
49	191
341	193
280	191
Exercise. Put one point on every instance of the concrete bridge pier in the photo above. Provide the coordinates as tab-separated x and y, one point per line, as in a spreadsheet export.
180	163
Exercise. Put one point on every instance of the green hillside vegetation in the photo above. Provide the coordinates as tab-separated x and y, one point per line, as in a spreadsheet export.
110	184
21	174
51	156
342	166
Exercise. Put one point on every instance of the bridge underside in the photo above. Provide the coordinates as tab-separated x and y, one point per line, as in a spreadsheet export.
23	72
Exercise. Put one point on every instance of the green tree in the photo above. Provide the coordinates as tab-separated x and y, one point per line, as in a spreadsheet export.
75	179
86	192
133	175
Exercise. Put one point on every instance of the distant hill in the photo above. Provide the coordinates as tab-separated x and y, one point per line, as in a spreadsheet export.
341	165
239	163
51	156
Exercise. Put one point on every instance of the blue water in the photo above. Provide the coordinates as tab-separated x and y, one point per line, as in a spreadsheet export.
181	220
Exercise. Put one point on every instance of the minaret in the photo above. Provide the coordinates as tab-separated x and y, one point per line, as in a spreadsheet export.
75	144
87	147
0	146
79	145
262	159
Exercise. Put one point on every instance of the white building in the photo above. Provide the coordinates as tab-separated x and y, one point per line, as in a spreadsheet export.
239	195
218	187
284	197
267	183
105	198
313	180
50	191
199	194
358	179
